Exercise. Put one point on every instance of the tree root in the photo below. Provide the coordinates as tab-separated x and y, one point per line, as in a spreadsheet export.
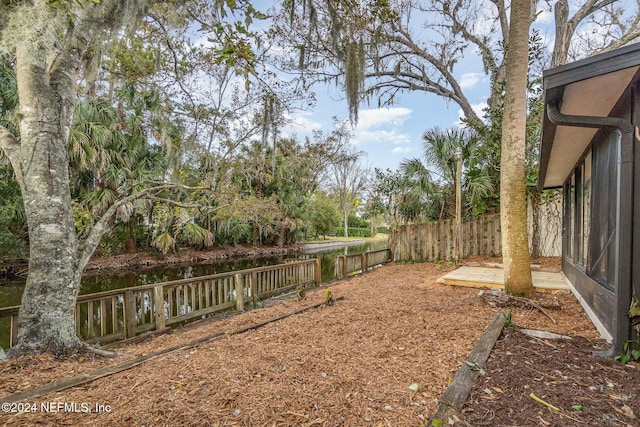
100	352
69	351
500	299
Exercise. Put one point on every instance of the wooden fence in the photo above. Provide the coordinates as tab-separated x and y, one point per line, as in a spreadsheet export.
434	241
346	265
122	313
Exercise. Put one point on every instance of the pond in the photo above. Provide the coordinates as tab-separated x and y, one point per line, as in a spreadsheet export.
11	291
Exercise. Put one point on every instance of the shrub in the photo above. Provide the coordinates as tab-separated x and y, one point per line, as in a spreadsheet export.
354	232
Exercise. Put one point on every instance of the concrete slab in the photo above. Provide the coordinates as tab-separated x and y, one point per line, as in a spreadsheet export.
481	277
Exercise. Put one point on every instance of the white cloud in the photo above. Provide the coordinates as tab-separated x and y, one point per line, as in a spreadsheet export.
373	118
477	108
402	150
469	80
486	22
382	126
381	136
545	17
300	124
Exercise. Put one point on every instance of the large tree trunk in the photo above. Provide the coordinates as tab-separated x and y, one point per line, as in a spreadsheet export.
47	75
535	225
513	201
46	105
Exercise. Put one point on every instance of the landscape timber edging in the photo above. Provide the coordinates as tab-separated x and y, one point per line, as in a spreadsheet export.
114	369
457	393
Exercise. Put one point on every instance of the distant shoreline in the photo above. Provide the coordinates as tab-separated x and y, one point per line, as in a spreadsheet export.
322	246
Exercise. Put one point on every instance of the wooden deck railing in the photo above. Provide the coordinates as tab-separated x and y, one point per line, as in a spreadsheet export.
359	263
123	313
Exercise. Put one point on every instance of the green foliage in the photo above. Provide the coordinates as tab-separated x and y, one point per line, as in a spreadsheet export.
325	216
397	198
10	244
354	232
356	222
478	183
629	353
382	230
328	295
8	99
82	218
508	318
13	225
194	234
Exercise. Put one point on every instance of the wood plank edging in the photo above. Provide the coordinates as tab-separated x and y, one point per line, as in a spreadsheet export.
114	369
457	393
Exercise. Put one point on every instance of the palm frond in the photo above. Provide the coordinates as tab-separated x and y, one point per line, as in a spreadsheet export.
164	242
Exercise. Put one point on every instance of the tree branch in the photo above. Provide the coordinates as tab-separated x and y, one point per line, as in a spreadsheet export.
9	144
11	148
173	202
88	247
460	97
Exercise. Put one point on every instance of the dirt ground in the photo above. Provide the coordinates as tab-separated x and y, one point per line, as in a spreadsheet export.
380	357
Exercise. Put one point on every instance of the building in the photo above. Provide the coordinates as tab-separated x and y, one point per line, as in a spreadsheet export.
590	149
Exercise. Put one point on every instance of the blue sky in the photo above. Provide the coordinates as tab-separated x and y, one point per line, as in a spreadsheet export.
389	135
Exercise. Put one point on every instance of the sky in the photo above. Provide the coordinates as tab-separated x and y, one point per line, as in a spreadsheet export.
390	135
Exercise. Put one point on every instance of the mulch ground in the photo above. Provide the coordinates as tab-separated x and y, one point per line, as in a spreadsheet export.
357	362
584	390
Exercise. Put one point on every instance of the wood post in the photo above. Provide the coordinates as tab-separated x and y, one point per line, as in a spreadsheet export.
13	334
239	292
344	266
158	305
90	333
317	270
103	317
363	262
129	314
254	287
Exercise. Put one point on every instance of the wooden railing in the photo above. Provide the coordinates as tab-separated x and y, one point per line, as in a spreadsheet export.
359	263
123	313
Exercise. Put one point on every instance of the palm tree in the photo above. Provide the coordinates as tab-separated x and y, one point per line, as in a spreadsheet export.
8	99
13	223
437	175
513	204
110	158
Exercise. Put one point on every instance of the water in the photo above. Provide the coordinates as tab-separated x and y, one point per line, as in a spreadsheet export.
11	291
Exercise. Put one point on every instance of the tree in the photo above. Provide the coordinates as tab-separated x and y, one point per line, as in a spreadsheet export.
439	147
325	217
513	202
349	179
48	53
381	48
48	44
620	27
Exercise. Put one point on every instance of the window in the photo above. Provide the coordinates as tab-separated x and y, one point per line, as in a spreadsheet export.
586	209
570	218
604	187
578	217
